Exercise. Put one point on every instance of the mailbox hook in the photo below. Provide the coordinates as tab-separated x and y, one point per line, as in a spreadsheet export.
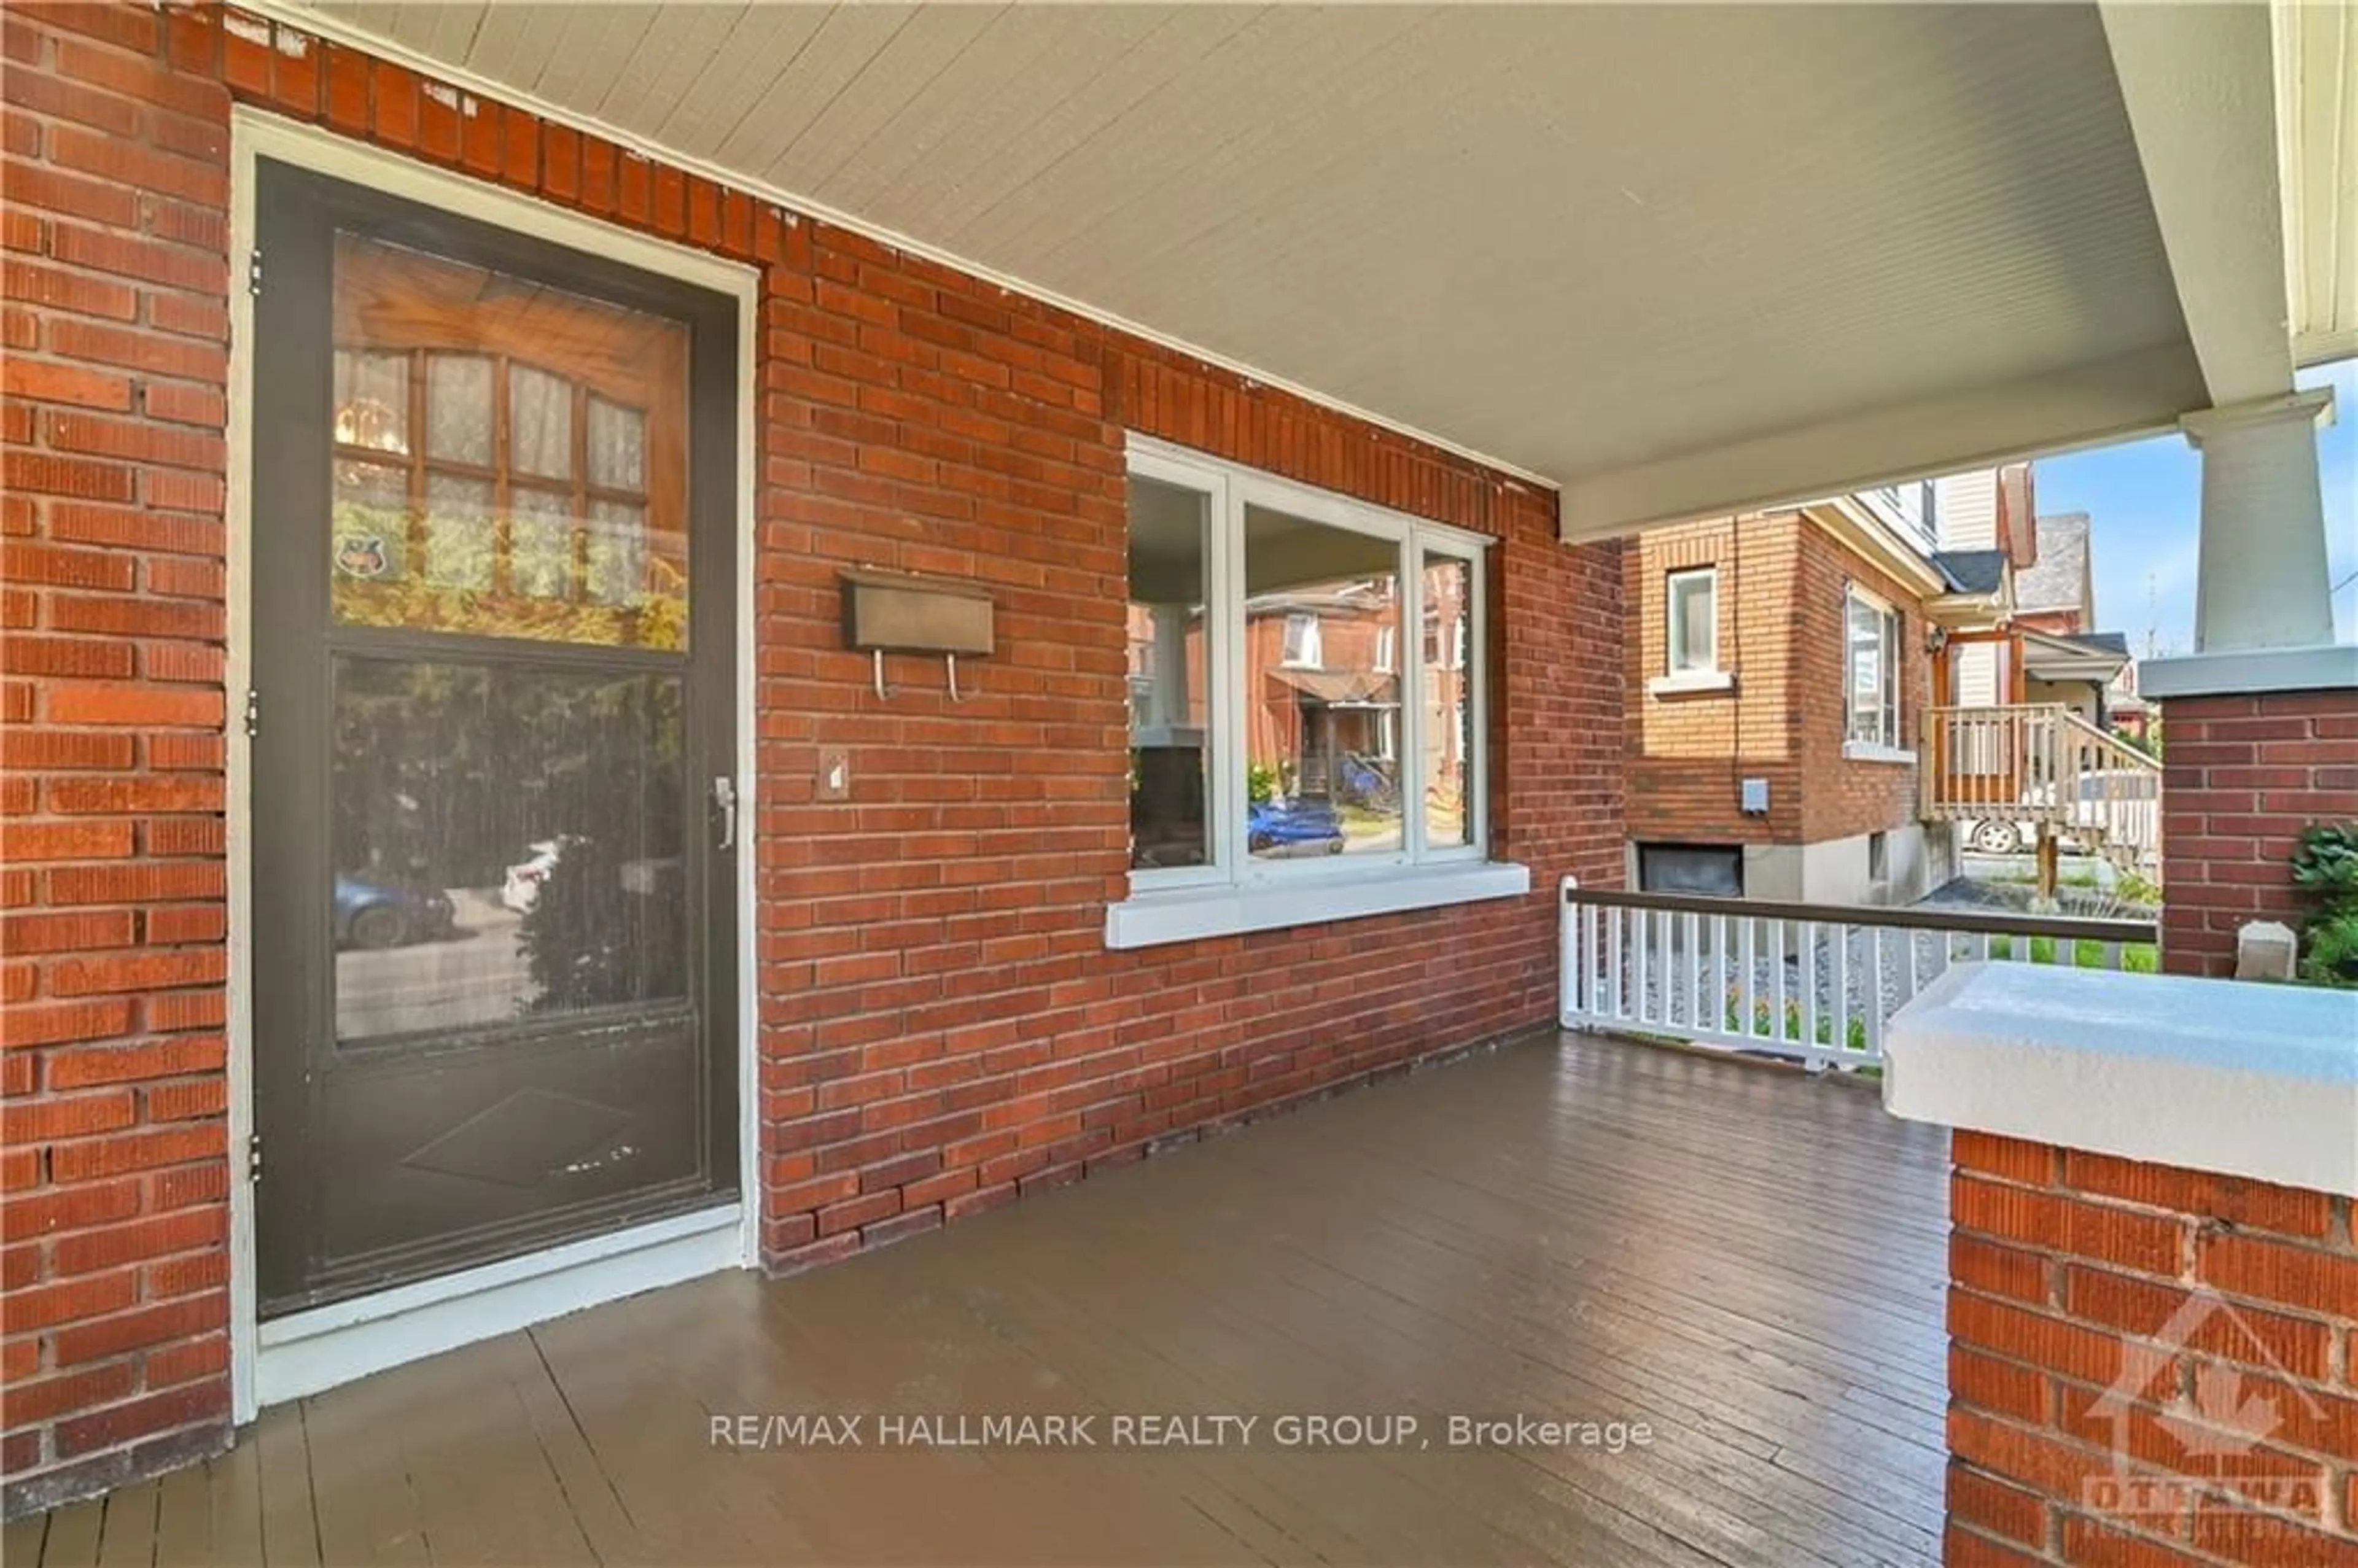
951	660
878	655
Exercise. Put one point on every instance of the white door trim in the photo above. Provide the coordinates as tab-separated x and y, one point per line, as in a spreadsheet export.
424	1316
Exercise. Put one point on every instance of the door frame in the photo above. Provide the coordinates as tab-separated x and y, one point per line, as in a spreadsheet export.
313	1350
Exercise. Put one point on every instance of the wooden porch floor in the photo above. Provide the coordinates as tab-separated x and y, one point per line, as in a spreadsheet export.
1749	1260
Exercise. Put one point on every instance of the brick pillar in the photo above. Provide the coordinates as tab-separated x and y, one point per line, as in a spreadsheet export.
2148	1365
2242	775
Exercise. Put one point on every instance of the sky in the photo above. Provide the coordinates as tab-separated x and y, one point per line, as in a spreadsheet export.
2144	498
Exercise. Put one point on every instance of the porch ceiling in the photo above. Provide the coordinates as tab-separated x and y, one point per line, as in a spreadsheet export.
1671	259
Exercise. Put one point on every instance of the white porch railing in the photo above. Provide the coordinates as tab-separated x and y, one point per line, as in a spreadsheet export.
1809	982
2039	765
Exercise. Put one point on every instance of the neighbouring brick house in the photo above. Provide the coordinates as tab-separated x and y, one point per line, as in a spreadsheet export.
1780	668
942	1024
491	819
1826	703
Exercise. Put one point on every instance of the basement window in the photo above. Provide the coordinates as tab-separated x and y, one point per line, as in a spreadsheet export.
1293	757
1712	870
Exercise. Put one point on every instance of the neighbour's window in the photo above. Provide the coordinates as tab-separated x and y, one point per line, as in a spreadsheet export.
1302	649
1694	621
1871	680
1280	721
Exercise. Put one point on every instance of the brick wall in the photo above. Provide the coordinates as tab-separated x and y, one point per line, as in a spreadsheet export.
113	1236
942	1027
1845	797
2148	1366
2241	778
1780	599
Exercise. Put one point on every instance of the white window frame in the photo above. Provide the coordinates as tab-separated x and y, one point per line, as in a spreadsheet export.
1235	891
1892	629
1387	642
1671	641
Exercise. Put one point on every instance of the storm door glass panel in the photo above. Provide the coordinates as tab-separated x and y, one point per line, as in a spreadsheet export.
511	457
1319	705
1170	733
507	844
1446	770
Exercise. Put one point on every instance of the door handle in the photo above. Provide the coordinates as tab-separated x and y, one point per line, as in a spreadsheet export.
724	797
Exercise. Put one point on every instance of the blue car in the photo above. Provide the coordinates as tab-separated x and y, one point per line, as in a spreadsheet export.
374	914
1299	828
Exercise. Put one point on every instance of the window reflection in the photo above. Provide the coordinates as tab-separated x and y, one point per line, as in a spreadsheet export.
1448	715
1321	703
510	459
507	844
1170	824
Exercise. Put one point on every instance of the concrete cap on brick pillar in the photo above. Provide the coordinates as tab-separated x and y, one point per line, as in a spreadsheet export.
2250	1080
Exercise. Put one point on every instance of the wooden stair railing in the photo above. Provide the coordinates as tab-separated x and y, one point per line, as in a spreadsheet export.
2043	764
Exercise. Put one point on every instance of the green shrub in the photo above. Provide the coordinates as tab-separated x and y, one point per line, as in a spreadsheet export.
2325	867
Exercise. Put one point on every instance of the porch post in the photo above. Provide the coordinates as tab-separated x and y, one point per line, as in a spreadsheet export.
2260	724
2260	581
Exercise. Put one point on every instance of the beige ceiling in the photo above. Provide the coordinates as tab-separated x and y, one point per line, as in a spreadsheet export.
1604	244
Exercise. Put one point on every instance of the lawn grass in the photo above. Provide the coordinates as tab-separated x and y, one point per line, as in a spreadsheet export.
2087	953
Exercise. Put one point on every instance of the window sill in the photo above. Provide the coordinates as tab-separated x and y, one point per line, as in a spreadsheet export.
1871	752
1692	683
1189	914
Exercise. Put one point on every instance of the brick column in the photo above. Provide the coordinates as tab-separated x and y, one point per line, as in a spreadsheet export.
2148	1365
2242	774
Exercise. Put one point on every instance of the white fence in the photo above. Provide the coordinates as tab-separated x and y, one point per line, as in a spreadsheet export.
1813	983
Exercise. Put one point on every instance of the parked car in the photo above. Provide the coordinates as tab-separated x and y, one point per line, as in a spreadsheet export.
2119	804
1292	827
380	915
521	890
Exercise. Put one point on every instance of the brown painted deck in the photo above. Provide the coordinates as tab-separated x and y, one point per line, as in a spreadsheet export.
1747	1259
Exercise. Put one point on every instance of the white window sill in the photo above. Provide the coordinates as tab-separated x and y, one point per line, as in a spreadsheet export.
1688	683
2246	1079
1871	752
1189	914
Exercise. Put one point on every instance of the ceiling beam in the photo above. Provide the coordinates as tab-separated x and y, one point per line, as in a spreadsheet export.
2134	395
2200	83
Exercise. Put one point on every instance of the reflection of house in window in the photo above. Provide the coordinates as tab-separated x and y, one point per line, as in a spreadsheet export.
574	509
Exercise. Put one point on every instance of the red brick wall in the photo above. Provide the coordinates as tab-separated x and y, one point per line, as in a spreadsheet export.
942	1027
1846	796
1782	579
2241	778
113	1236
2223	1313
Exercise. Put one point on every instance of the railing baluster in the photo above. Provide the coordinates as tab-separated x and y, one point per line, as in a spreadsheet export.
1839	1036
1749	981
1810	985
1613	956
1695	970
1780	937
1872	1006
